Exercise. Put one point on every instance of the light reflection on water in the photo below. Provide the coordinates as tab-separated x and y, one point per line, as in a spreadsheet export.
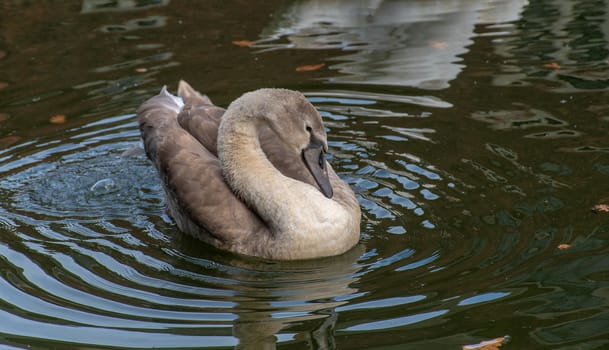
404	43
472	162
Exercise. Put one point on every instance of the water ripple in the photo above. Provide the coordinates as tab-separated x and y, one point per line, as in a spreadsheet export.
92	250
86	245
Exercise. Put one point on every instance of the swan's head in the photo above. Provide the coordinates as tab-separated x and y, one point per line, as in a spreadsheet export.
297	124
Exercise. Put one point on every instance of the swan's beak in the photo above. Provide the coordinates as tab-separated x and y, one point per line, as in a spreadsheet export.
314	158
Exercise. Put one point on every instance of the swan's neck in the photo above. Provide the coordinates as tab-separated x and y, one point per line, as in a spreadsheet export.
253	177
300	218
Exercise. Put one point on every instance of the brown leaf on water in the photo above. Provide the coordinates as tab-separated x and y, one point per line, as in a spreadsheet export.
564	246
141	69
552	65
310	67
243	43
58	119
601	208
492	344
9	140
438	44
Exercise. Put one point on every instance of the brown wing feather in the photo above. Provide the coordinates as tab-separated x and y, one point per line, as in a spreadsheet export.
199	117
202	123
193	181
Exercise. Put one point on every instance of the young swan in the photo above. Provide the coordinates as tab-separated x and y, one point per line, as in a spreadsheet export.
267	190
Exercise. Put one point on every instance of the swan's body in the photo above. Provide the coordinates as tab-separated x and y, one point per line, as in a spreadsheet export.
251	179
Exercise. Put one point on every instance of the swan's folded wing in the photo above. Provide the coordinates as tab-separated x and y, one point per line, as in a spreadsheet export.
157	114
194	176
200	117
191	96
202	123
192	179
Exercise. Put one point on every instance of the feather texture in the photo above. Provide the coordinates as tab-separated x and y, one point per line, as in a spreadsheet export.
237	179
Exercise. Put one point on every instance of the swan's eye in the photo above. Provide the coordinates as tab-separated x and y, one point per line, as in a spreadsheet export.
309	128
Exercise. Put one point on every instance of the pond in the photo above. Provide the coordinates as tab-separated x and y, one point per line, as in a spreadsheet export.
474	133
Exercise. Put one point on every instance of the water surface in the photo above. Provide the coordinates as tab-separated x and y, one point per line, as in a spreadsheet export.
473	132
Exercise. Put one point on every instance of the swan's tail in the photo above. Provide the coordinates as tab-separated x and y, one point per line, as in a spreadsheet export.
173	102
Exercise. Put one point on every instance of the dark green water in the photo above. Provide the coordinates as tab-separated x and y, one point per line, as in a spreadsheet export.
474	133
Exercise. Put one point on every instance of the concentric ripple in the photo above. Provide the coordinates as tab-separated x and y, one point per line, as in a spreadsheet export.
473	132
89	257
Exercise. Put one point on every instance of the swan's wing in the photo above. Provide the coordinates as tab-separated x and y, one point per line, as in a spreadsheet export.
154	116
199	117
202	123
191	96
192	179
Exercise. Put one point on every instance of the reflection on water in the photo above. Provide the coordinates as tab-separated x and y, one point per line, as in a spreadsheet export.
473	132
102	260
92	6
554	43
407	43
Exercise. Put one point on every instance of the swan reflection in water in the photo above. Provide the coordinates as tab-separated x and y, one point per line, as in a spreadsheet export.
278	301
405	43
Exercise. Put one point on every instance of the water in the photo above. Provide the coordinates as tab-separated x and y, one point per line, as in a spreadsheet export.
473	132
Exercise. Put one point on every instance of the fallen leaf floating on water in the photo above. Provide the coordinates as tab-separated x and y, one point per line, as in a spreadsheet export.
552	65
438	44
310	67
141	69
58	119
243	43
9	141
492	344
601	208
564	246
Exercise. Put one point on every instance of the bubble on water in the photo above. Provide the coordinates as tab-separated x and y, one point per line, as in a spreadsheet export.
104	186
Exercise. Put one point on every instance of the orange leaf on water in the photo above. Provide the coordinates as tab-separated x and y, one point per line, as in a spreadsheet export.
438	44
57	119
492	344
243	43
604	208
564	246
552	65
310	67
